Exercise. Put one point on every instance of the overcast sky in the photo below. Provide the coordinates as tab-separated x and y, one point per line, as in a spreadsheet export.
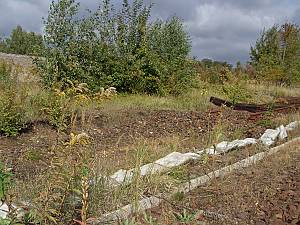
219	29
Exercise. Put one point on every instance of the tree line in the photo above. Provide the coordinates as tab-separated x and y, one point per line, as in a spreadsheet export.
22	42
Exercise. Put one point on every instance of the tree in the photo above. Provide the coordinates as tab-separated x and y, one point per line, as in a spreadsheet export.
275	55
61	37
116	48
3	45
22	42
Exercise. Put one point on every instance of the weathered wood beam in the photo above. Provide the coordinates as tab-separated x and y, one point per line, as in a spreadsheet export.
283	104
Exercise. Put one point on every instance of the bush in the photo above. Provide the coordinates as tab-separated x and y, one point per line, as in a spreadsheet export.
12	118
116	48
21	104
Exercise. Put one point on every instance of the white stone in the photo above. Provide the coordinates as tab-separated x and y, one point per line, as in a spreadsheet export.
126	211
226	146
151	168
172	160
4	211
176	159
282	132
292	126
120	175
210	151
201	152
270	136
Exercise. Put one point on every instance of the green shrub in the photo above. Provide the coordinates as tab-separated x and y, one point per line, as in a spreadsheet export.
235	90
21	104
12	118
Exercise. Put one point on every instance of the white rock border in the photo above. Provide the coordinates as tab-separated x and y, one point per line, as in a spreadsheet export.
151	202
176	159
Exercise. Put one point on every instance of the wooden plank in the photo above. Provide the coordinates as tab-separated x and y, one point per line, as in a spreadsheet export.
282	105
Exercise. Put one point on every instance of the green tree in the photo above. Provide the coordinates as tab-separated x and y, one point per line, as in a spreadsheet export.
275	55
119	48
3	45
61	33
22	42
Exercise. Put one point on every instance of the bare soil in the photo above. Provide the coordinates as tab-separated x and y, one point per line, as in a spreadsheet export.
113	131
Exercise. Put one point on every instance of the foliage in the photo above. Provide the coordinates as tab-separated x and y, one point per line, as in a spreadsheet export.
62	190
22	42
236	92
185	217
21	104
5	221
276	54
214	72
116	48
12	118
65	107
5	182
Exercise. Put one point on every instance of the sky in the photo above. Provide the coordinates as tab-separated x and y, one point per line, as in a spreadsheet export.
219	29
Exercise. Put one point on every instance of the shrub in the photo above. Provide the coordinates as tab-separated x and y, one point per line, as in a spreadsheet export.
12	118
21	104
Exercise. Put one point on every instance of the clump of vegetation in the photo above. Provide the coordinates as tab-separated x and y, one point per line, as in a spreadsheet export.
120	49
22	42
12	118
276	54
22	104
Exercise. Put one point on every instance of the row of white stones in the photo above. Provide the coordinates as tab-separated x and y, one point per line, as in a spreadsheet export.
154	201
176	159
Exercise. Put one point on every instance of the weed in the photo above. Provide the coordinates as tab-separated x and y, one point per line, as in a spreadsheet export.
180	173
33	155
5	221
12	113
148	219
129	222
5	182
236	92
266	121
178	196
184	217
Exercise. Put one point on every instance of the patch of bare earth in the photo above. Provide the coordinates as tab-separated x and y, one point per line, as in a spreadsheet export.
268	193
114	132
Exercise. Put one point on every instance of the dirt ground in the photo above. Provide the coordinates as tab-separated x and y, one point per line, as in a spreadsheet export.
268	193
113	131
